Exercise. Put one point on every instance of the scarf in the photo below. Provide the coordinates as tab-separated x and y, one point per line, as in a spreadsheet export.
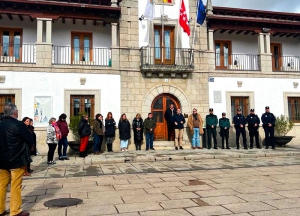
57	131
195	116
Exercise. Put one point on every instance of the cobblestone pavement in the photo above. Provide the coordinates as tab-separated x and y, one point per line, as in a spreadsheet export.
231	186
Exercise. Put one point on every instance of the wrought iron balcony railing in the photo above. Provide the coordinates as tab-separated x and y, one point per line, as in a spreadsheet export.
241	62
164	59
17	53
286	63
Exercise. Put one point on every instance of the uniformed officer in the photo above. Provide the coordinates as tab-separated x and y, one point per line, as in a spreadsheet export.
224	124
268	120
211	124
253	125
239	124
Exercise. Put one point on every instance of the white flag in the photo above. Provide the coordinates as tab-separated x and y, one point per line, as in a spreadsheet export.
149	11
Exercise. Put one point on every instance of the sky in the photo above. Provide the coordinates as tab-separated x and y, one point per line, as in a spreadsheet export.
292	6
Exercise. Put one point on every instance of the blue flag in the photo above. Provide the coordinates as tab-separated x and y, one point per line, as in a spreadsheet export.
201	13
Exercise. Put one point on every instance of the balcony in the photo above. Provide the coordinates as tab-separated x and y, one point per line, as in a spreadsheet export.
163	60
238	62
67	55
17	53
286	63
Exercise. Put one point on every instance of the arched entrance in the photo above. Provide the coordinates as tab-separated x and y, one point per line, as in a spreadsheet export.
159	105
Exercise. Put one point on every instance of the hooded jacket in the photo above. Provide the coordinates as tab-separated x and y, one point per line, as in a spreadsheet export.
84	128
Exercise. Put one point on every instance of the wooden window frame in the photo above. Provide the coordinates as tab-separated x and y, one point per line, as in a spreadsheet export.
279	56
11	41
81	44
162	47
293	117
2	100
222	66
81	106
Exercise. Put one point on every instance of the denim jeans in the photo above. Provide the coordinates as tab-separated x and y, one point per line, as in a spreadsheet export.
196	138
62	143
97	142
149	140
124	143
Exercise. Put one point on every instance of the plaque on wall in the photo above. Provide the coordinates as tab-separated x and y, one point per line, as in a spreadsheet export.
217	97
165	2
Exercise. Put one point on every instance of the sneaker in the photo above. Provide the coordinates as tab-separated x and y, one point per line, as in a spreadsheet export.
49	162
66	158
199	147
61	158
53	162
126	149
122	149
181	147
193	147
153	149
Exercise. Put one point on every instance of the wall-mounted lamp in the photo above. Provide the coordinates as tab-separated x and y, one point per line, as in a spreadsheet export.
266	30
141	18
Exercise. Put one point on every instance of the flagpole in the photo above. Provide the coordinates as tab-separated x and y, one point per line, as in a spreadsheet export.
177	37
162	32
194	33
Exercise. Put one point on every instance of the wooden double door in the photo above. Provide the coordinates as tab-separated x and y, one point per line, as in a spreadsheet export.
159	106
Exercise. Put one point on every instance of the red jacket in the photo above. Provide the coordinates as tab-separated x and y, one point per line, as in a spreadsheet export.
63	126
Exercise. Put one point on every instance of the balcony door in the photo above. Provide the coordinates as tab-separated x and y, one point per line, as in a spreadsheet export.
81	47
223	54
159	105
11	49
276	56
164	45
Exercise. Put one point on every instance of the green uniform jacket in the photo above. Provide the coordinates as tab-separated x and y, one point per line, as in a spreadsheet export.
211	119
224	123
148	124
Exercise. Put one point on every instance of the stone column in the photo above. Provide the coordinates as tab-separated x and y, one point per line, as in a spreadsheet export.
49	31
264	51
114	34
267	43
39	30
210	40
261	46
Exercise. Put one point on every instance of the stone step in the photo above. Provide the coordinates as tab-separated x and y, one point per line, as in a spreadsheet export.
161	145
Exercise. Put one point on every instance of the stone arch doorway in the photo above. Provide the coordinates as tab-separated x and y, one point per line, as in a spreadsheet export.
159	105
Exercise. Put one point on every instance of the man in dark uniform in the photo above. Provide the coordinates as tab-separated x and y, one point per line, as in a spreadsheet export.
268	120
239	124
224	124
170	112
211	124
253	125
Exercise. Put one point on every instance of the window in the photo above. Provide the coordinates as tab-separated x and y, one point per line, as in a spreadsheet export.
164	45
294	108
11	44
81	47
239	102
5	99
223	54
82	103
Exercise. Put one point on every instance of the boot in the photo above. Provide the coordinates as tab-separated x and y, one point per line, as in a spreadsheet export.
140	147
222	143
109	147
136	147
82	154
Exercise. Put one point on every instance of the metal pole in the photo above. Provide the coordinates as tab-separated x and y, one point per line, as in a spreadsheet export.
194	34
177	37
162	32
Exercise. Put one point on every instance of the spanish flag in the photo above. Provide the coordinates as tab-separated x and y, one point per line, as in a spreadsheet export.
167	1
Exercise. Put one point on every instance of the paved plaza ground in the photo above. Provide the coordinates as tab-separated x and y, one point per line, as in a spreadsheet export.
168	182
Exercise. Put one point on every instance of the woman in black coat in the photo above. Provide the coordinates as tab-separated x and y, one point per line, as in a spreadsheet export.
124	132
137	126
110	127
84	131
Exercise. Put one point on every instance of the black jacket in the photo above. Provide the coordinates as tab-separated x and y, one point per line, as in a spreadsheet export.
168	114
84	128
253	119
238	120
138	134
268	118
124	130
110	127
178	118
14	141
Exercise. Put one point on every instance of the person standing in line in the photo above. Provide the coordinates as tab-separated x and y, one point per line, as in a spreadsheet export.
14	139
34	148
52	141
239	124
150	125
195	124
253	125
224	124
98	131
178	121
268	119
26	121
211	125
124	132
137	126
170	112
63	142
84	131
110	127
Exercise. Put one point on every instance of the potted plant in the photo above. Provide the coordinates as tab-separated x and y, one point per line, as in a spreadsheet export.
282	126
73	126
